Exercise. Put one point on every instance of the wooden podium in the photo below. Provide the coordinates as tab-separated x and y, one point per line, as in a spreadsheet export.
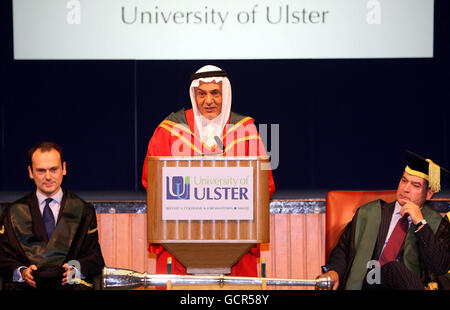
208	246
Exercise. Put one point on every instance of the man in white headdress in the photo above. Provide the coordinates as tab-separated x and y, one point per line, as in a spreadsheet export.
209	128
211	102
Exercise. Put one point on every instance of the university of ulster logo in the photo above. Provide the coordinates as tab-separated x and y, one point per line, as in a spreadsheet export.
180	188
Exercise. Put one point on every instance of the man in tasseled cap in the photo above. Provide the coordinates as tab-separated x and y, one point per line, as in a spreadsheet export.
407	239
209	128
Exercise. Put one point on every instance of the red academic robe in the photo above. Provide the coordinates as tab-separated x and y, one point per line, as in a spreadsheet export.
177	136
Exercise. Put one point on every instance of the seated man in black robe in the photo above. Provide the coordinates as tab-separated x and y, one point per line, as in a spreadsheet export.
400	245
49	238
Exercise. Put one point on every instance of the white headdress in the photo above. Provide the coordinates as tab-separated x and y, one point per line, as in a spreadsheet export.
208	129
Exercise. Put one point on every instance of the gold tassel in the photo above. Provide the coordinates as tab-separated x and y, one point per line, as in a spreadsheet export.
434	175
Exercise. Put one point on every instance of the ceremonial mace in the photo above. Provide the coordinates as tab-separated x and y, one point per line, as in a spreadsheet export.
118	278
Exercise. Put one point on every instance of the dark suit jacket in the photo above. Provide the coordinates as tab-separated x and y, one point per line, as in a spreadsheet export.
84	247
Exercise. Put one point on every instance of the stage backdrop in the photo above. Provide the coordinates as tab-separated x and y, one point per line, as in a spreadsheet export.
342	122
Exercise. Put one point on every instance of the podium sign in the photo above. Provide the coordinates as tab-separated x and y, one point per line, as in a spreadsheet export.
207	193
208	211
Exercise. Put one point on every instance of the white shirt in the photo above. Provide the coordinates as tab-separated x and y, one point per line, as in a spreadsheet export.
55	204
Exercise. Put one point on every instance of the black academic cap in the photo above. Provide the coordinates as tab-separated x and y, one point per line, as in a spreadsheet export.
425	169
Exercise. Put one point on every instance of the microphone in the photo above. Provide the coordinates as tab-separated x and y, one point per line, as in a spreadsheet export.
219	143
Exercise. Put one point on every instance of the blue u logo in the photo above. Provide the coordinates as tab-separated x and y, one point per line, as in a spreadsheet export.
180	188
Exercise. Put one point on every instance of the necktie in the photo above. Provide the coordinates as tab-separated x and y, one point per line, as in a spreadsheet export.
395	242
49	219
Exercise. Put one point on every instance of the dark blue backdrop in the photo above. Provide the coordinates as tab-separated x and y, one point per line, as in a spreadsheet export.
343	123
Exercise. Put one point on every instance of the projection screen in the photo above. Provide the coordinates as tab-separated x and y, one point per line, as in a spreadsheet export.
232	29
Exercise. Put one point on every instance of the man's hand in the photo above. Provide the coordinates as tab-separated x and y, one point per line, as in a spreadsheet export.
333	276
27	275
412	210
65	279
